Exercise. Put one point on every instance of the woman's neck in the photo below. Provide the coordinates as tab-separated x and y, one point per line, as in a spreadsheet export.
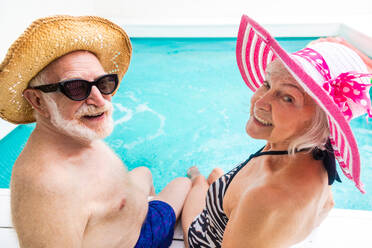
276	146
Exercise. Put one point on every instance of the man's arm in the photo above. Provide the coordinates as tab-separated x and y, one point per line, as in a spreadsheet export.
46	216
265	218
142	177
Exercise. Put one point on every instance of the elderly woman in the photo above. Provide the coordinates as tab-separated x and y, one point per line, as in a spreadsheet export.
301	106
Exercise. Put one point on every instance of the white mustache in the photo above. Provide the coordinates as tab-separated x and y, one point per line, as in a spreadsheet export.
94	110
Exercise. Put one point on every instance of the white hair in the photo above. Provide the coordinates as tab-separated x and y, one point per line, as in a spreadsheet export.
315	136
39	79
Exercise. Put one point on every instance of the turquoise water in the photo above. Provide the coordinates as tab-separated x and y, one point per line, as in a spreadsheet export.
183	103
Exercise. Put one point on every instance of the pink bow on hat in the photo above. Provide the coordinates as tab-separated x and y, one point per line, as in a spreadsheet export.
343	87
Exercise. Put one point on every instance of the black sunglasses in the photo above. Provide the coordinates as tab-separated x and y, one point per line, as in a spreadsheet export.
79	89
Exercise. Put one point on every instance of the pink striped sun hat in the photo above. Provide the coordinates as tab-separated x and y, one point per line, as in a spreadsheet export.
332	74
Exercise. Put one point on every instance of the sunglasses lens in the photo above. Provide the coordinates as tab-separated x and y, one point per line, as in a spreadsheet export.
107	84
77	89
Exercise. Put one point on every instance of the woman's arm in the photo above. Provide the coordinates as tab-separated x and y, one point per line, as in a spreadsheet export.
327	206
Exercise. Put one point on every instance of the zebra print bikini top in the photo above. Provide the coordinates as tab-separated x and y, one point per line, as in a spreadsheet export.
207	230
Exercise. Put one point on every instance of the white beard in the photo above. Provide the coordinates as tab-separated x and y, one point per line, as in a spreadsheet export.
76	129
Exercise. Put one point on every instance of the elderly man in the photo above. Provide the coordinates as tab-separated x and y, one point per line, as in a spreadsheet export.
68	188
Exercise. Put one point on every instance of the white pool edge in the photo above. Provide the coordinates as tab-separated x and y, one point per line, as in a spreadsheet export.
5	128
228	30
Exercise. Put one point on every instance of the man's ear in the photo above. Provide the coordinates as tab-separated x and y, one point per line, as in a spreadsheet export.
38	104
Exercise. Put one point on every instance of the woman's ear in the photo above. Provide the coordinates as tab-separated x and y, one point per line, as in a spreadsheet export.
38	104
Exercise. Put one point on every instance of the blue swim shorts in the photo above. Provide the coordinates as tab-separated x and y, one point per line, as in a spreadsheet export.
158	228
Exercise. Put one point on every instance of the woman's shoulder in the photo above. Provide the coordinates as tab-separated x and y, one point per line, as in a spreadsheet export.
277	204
305	177
268	196
297	185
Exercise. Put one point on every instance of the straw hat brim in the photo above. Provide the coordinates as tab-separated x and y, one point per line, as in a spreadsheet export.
49	38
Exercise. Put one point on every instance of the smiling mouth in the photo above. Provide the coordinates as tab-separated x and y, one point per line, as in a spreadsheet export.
95	116
261	121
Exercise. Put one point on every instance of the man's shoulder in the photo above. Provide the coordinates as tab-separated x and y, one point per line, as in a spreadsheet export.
35	176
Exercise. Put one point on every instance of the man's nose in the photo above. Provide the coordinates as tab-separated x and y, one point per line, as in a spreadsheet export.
96	98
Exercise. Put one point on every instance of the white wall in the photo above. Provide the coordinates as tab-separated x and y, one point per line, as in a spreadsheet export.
15	15
259	9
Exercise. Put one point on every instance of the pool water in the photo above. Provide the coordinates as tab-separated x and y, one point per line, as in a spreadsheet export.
183	103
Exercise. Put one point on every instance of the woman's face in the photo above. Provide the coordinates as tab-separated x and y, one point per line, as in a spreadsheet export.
280	108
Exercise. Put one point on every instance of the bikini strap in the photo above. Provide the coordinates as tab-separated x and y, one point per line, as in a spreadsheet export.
257	154
260	153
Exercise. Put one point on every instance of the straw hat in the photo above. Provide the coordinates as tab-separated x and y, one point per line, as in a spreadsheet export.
47	39
332	74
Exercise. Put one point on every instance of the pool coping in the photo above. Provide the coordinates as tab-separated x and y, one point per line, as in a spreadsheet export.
358	35
6	128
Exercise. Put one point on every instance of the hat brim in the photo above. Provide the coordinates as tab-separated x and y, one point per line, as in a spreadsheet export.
256	48
49	38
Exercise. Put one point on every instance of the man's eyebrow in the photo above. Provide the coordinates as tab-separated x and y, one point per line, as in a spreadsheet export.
72	76
69	76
